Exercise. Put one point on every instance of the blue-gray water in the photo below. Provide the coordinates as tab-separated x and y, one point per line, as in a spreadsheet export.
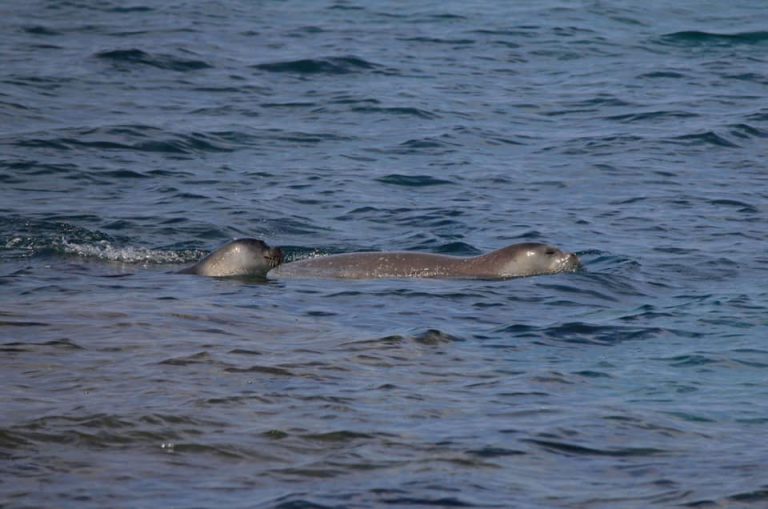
135	136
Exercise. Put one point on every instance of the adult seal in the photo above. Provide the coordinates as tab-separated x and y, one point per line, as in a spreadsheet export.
240	257
528	259
519	260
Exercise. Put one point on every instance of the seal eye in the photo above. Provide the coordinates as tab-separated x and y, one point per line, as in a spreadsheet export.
550	251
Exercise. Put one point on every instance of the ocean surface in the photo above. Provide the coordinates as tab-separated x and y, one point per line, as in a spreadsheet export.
137	136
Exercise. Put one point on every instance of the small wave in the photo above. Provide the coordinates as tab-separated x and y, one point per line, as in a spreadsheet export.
699	38
405	111
330	65
746	131
578	450
336	436
585	333
760	495
424	143
132	137
706	138
437	40
192	359
62	344
429	337
458	249
131	57
740	206
396	179
651	115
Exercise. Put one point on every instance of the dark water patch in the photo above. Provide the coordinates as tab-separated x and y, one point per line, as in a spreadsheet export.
341	436
130	9
14	323
664	75
320	313
40	30
700	38
438	40
352	99
590	373
397	179
495	452
123	59
330	65
243	351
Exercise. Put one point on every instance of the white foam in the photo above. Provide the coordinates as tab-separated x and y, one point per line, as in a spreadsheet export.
139	255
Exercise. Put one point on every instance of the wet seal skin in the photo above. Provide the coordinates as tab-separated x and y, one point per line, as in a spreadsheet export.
253	257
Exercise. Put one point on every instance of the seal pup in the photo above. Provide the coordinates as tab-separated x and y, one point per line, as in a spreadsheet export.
239	257
519	260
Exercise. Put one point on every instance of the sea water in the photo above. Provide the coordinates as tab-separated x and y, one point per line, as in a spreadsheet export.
137	136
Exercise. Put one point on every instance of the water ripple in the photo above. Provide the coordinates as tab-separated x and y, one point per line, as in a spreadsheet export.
128	58
330	65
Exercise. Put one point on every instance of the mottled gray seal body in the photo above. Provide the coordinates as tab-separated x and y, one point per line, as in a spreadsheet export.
240	257
528	259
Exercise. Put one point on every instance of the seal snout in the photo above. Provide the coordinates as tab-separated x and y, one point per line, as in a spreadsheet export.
274	257
572	262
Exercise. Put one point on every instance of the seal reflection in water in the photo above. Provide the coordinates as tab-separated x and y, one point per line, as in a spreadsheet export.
251	257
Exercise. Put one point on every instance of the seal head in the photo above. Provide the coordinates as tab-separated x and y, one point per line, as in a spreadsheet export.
527	259
240	257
